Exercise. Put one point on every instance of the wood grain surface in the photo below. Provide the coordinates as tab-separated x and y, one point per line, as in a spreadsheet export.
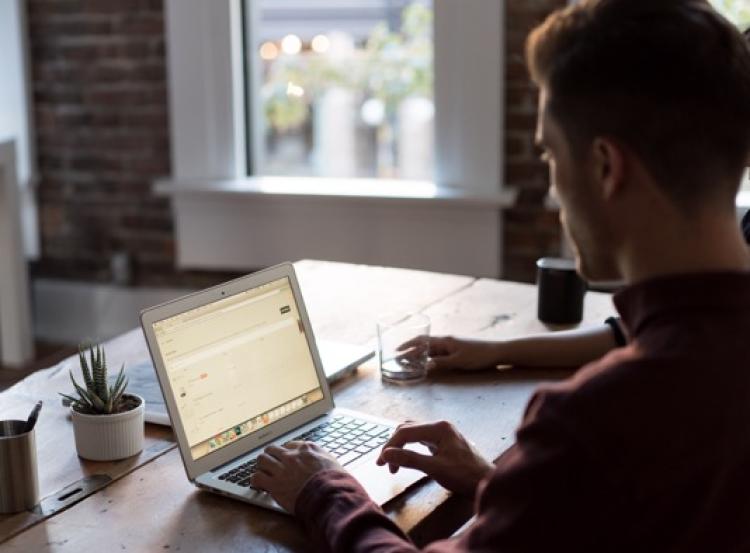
344	301
57	461
151	505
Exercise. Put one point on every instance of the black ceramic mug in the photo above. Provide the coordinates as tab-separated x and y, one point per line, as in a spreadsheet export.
560	291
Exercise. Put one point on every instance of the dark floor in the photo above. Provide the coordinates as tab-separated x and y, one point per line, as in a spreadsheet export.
46	355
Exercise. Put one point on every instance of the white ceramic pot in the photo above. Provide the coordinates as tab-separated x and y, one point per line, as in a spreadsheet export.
109	437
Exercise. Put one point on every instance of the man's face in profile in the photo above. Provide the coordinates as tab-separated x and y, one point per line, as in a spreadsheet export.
582	213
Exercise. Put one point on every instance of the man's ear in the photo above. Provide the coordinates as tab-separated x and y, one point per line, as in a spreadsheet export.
608	166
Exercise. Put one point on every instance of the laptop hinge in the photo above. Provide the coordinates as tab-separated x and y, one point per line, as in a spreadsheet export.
222	467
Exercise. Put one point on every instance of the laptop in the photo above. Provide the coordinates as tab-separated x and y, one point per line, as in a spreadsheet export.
339	361
239	370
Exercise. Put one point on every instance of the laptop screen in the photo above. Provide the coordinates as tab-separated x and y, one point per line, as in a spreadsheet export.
237	365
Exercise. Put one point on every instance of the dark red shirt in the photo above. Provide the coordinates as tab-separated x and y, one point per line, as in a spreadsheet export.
647	449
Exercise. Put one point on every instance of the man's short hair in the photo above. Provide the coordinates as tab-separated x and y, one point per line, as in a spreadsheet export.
669	79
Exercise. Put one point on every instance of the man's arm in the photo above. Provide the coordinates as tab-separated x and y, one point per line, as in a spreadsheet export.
284	471
339	515
543	495
569	348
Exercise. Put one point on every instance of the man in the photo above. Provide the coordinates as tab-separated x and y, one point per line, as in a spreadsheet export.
645	124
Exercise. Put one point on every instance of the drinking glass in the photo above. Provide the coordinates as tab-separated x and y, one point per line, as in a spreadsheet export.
403	346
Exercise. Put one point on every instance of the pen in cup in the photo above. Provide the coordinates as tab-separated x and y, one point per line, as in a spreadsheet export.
33	416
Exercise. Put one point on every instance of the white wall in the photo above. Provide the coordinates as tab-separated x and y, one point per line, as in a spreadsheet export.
15	113
252	231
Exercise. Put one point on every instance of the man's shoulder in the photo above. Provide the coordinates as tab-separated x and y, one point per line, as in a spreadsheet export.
599	381
628	396
604	398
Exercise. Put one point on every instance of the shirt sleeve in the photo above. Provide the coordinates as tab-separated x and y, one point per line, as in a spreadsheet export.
340	516
540	497
543	496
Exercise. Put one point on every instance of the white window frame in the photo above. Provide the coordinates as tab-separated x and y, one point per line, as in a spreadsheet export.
16	115
743	198
207	118
204	65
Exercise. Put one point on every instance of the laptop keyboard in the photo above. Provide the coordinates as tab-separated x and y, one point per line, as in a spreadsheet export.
241	474
346	438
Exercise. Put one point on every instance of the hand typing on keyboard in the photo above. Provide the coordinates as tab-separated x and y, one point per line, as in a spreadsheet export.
455	464
283	471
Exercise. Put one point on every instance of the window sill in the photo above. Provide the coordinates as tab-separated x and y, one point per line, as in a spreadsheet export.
250	223
339	189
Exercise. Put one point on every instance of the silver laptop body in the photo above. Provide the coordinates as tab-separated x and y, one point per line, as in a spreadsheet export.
239	370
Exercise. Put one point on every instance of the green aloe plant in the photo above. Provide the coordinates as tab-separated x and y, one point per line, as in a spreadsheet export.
97	398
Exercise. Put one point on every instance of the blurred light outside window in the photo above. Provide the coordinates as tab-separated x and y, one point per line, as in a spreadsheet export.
345	88
738	12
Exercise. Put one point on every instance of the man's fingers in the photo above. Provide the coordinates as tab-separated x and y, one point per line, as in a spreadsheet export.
411	433
397	457
436	345
418	342
442	345
442	363
279	452
269	464
261	480
297	444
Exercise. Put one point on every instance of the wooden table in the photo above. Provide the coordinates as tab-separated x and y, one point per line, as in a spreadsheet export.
146	503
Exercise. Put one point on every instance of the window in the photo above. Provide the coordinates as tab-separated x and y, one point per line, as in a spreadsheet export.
737	11
340	88
229	215
212	128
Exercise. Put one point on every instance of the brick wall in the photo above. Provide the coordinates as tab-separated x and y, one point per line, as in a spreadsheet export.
530	230
100	107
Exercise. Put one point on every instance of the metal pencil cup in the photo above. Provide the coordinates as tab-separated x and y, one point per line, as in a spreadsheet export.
19	482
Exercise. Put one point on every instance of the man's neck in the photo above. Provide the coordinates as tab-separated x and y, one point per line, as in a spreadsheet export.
699	245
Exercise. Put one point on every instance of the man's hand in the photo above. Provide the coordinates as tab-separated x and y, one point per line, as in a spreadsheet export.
455	353
284	471
455	464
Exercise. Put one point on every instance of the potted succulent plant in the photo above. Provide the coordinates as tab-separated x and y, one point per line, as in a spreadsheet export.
107	422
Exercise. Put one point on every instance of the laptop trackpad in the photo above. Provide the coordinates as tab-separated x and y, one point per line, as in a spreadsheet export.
380	484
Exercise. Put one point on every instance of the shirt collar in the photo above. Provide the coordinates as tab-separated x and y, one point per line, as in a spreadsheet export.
681	295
